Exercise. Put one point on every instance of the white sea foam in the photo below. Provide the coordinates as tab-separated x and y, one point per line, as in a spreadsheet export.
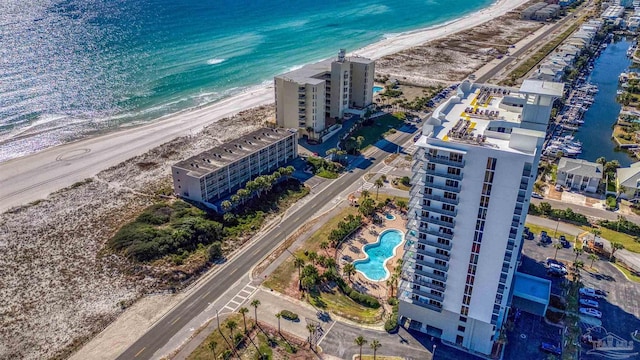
215	61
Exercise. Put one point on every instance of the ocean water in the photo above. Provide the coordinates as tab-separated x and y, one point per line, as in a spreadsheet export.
71	67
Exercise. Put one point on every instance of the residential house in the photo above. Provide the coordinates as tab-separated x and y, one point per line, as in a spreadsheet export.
580	175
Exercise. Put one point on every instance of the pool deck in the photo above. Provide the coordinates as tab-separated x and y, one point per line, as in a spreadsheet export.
351	250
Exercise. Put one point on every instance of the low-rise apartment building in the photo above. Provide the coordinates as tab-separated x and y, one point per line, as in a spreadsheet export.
579	175
218	173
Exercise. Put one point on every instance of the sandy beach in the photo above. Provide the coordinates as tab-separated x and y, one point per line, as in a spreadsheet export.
35	176
59	290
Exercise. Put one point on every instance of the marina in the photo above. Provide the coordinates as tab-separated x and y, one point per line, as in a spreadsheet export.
592	102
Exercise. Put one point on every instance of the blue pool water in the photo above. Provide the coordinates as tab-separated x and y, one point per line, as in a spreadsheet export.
377	89
377	254
389	216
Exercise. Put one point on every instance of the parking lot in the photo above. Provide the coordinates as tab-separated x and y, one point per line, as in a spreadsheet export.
620	308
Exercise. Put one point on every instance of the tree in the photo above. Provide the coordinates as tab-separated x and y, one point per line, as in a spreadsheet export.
402	205
226	205
359	142
349	269
367	207
601	160
575	270
593	258
231	325
243	310
212	346
578	252
278	315
313	256
255	303
615	246
545	208
299	263
383	177
378	184
243	194
365	193
324	246
312	330
235	199
332	153
215	251
557	246
310	130
360	341
375	345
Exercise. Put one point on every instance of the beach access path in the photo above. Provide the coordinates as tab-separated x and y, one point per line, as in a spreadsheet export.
33	177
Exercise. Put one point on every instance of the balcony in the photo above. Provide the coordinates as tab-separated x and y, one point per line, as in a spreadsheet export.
443	187
406	297
417	204
431	265
417	165
441	199
444	160
444	174
433	254
408	286
429	284
435	221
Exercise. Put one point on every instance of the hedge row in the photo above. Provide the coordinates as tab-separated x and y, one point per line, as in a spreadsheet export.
360	298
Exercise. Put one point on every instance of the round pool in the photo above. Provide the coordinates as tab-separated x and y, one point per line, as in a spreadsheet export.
389	216
378	253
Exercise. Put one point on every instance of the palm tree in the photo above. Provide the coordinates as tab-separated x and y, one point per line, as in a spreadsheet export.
212	346
402	205
231	325
312	330
575	269
375	345
313	256
324	246
593	258
393	281
243	194
360	341
278	315
601	160
244	311
578	252
360	141
557	246
226	205
235	199
332	153
349	269
378	184
299	263
365	193
255	303
615	246
309	131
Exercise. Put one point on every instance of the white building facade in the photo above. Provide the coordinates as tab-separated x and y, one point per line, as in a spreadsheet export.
473	176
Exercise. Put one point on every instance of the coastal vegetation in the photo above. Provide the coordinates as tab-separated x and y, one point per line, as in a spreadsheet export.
546	210
324	168
178	232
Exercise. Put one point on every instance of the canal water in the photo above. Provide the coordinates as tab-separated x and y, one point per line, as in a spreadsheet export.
595	134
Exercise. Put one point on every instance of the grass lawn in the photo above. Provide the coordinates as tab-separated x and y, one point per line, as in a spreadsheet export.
614	236
341	305
537	229
401	186
202	352
380	126
635	277
618	132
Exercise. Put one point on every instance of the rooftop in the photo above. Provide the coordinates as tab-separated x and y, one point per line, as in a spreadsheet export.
222	155
629	177
484	115
312	72
580	167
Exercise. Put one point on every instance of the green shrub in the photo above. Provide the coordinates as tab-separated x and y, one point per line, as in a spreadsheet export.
215	251
622	225
391	324
360	298
405	180
392	301
611	202
291	316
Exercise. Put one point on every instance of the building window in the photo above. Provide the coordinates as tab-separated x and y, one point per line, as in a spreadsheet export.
461	328
459	340
463	319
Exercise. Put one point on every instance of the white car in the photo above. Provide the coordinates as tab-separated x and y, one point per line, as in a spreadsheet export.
591	292
591	312
536	195
589	303
558	268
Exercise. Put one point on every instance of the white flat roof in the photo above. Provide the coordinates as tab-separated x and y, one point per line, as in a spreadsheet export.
542	87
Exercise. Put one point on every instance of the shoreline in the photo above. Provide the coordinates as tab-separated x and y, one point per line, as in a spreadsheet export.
385	46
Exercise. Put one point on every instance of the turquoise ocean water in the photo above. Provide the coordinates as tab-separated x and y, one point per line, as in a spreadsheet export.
69	67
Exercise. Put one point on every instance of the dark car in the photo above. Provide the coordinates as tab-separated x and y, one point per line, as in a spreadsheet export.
565	243
545	239
551	347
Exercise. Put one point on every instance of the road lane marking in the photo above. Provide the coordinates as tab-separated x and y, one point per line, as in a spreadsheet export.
139	352
176	320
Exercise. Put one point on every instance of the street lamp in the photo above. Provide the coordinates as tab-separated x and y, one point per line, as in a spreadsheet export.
433	351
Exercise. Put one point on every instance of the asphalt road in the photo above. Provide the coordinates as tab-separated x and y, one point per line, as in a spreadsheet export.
491	73
215	286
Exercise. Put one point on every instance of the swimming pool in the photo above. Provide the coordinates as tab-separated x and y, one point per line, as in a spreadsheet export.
389	216
378	253
377	89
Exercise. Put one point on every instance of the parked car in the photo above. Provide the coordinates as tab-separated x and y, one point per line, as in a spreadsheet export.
565	243
550	347
550	261
555	269
545	239
591	292
591	312
558	187
537	196
589	303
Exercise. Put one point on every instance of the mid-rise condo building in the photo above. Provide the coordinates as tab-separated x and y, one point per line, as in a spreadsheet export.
307	97
219	172
473	175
